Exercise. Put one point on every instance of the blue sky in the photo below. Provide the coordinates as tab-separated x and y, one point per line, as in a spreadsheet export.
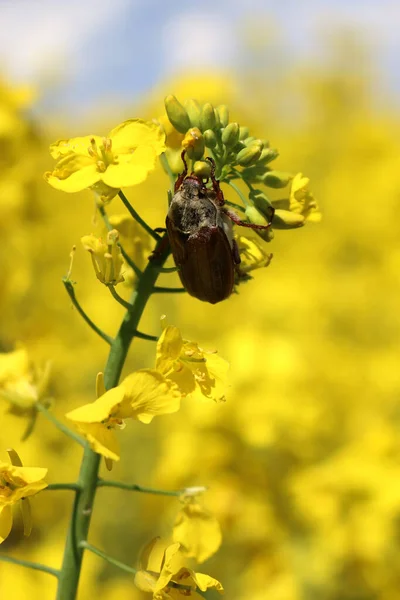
81	51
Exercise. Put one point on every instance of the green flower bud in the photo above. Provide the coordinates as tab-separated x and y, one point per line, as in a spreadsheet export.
230	135
262	203
194	144
210	138
202	169
238	147
217	119
193	110
250	154
255	217
243	133
285	219
277	179
268	155
177	114
223	115
207	117
254	174
247	141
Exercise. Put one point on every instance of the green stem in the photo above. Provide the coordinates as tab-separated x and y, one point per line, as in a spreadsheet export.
30	565
71	292
60	426
62	486
108	558
127	305
165	164
88	476
234	205
239	193
133	487
137	217
168	290
146	336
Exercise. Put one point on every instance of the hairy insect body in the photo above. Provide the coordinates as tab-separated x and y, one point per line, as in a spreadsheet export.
200	234
201	242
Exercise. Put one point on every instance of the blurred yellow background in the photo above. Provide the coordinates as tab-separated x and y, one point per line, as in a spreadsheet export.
302	462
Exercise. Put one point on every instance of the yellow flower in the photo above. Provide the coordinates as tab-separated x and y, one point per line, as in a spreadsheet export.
141	396
150	394
123	158
106	257
135	241
21	383
302	201
17	483
197	372
252	254
197	530
165	581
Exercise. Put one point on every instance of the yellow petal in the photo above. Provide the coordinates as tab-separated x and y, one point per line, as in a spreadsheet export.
145	581
136	132
197	531
77	145
5	522
146	552
205	582
101	409
130	169
101	439
168	567
169	348
150	394
76	176
213	381
184	379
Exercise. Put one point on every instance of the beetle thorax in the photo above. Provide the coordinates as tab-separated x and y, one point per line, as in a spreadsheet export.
191	207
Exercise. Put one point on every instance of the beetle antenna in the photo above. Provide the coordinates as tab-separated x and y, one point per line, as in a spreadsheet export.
212	163
183	160
216	187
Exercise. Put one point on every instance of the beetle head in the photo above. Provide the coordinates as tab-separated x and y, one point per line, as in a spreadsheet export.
193	185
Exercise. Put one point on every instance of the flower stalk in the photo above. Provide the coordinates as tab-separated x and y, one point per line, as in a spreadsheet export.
88	476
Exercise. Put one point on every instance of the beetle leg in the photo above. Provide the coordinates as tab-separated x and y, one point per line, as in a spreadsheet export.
235	253
220	201
161	248
238	221
182	176
160	230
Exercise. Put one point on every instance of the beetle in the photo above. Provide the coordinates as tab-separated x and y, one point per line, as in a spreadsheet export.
200	234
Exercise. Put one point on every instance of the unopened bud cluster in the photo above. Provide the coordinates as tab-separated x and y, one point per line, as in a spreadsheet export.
208	131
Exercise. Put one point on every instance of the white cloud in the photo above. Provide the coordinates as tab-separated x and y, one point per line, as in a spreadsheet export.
37	36
198	40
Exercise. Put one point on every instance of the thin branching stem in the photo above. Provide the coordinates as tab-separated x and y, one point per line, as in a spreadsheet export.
127	305
137	217
71	292
30	565
60	426
165	164
133	487
75	487
113	561
146	336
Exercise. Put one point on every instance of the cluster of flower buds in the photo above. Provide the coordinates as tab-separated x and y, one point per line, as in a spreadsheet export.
206	130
